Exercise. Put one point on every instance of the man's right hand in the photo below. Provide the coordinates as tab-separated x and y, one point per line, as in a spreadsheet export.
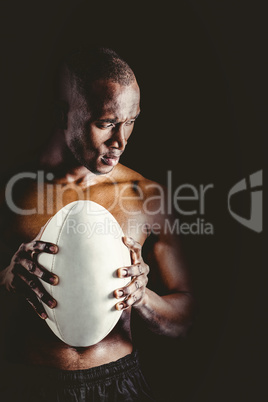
24	273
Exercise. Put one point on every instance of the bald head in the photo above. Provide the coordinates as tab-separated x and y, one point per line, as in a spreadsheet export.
82	68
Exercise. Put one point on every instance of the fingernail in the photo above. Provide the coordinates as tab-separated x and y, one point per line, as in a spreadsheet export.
53	249
124	272
54	280
52	303
120	293
120	306
44	316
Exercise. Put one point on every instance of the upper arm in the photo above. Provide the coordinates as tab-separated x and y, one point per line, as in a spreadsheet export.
163	248
164	255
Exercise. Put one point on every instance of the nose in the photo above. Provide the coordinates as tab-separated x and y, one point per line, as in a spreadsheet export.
118	139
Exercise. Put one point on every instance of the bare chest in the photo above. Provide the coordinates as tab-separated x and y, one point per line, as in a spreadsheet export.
31	209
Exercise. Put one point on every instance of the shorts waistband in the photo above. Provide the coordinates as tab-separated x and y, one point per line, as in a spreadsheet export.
106	371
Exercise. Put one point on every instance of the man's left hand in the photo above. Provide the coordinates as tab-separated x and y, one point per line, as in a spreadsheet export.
134	293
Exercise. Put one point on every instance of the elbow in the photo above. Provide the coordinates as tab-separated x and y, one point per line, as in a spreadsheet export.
185	318
180	329
183	329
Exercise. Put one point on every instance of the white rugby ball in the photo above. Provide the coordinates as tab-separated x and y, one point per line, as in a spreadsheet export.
90	252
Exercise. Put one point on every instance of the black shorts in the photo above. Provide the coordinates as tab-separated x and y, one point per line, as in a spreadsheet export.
121	380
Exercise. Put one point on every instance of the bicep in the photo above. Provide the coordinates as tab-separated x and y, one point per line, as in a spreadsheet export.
168	268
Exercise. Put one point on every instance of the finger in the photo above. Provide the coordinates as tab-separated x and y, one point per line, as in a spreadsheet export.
134	247
37	306
40	246
133	270
30	297
35	285
129	301
29	252
36	269
136	284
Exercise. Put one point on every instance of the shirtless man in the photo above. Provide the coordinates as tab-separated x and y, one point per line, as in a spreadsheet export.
99	103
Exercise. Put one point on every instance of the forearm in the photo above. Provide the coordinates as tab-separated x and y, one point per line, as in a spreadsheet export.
169	315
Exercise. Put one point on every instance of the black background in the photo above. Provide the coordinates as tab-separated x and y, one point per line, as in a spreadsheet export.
202	71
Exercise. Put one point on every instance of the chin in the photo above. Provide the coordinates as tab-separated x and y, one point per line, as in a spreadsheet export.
99	170
105	170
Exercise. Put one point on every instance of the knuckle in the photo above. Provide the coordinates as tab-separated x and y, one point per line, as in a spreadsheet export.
126	291
127	301
42	246
135	298
133	244
137	246
140	268
30	246
32	284
28	264
21	247
130	241
38	245
16	257
44	275
43	297
39	293
33	255
31	266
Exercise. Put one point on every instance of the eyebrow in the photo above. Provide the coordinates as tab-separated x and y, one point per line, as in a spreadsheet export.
116	120
107	120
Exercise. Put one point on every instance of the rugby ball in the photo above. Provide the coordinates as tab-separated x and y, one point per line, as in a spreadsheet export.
90	252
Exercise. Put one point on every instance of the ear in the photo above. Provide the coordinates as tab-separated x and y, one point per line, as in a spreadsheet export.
61	109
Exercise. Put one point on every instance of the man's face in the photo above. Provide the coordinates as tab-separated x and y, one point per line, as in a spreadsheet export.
99	127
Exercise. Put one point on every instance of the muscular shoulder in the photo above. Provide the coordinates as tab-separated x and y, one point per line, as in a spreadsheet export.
152	194
146	186
125	174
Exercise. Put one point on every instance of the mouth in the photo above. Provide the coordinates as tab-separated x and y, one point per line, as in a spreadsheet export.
110	159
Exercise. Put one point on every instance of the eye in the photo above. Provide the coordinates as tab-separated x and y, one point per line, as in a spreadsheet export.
104	125
130	122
